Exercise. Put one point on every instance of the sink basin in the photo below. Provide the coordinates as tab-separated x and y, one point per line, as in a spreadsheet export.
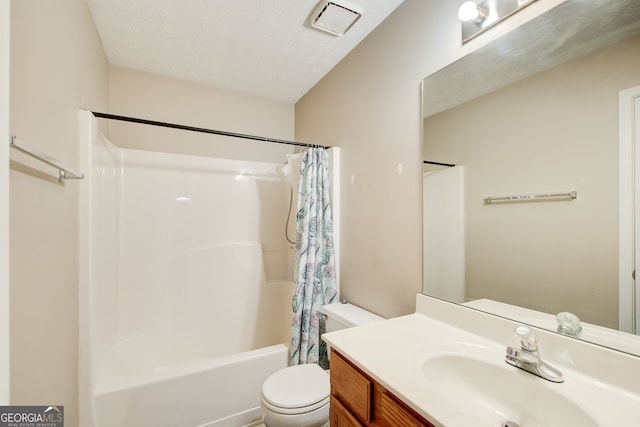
499	394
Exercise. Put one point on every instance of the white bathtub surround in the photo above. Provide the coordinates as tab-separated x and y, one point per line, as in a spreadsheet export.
600	387
185	282
443	233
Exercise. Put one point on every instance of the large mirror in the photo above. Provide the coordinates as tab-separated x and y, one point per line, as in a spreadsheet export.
533	114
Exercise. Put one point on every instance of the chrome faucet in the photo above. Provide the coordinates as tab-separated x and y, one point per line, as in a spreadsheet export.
527	357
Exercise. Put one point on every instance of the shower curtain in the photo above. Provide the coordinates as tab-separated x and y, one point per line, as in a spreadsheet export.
315	273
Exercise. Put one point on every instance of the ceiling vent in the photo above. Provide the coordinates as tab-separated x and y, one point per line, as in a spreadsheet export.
334	17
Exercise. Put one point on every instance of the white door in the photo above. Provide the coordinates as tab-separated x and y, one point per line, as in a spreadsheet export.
629	291
636	144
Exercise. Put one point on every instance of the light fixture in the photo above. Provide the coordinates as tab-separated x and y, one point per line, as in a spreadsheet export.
334	17
470	11
480	15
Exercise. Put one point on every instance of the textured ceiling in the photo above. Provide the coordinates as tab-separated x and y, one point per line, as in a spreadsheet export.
262	47
572	29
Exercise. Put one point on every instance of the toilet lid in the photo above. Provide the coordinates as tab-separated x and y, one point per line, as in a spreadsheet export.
297	386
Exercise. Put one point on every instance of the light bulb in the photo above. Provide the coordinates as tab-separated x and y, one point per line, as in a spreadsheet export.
469	11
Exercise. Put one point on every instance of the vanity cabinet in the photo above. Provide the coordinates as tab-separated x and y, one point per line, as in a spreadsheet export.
358	400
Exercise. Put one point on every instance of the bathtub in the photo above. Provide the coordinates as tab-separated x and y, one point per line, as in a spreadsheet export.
193	352
223	392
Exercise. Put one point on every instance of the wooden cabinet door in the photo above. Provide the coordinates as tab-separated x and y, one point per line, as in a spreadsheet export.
392	413
352	387
359	401
340	416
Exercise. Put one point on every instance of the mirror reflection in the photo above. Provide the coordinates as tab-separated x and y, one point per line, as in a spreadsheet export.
535	113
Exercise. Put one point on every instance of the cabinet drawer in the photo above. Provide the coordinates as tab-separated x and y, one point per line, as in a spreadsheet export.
351	386
340	416
396	414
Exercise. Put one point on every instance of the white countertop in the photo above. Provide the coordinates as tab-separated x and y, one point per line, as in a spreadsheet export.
392	352
380	349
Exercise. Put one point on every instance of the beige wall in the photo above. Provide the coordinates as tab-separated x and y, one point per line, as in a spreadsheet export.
369	105
556	131
150	96
57	67
4	205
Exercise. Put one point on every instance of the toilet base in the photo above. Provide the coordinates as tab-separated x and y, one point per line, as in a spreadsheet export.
316	418
262	424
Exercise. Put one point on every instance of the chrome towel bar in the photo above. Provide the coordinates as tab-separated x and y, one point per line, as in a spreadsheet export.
65	172
540	197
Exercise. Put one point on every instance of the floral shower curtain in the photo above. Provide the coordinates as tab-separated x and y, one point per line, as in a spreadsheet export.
315	273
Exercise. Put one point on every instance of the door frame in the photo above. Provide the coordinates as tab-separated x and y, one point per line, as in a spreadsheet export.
629	160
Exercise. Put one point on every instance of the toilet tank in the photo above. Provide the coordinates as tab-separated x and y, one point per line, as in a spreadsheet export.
345	315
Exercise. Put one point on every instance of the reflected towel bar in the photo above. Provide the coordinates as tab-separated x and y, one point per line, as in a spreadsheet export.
540	197
65	172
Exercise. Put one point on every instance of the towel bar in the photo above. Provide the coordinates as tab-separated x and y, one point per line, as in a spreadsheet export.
488	200
65	172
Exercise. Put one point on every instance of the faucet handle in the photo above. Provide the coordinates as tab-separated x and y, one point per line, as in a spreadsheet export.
526	338
568	323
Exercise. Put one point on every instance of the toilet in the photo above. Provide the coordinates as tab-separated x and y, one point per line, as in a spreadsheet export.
298	396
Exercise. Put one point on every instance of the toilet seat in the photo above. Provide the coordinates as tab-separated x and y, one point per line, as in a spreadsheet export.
297	389
295	411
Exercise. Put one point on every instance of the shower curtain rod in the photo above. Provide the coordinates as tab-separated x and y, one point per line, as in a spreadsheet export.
202	130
